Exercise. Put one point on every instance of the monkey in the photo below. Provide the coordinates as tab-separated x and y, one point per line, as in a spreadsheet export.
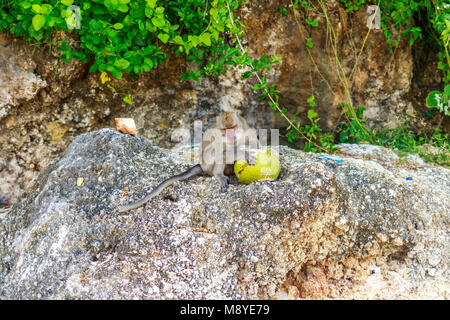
220	148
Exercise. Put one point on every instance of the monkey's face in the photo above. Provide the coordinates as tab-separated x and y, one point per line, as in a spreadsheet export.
228	127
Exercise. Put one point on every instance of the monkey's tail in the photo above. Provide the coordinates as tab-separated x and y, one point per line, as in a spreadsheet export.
194	171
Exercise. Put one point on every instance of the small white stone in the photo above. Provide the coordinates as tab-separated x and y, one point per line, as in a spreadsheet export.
432	272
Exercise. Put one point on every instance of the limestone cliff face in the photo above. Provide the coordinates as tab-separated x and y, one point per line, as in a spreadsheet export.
382	81
45	103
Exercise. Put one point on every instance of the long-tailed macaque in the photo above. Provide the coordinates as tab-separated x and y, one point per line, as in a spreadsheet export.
222	145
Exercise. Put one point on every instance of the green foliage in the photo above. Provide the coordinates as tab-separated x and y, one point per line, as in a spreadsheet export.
312	22
127	99
315	139
134	36
304	3
351	132
440	100
432	148
6	3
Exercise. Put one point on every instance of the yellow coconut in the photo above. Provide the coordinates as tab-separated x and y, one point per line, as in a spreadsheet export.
267	168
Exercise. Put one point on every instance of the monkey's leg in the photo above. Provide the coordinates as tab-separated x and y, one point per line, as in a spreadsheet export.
223	180
218	174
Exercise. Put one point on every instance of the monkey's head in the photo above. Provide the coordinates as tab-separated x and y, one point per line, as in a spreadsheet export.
228	124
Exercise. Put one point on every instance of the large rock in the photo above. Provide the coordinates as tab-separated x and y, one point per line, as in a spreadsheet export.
350	229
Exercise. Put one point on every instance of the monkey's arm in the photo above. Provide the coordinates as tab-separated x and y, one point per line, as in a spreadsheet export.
247	140
194	171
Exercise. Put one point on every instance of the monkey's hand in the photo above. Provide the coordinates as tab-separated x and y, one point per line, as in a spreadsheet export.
224	184
223	180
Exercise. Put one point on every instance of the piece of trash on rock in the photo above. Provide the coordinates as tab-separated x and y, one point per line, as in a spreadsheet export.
409	178
126	125
80	181
333	158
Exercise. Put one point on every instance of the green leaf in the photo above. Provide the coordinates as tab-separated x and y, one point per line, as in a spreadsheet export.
146	67
118	26
447	90
114	71
123	8
311	101
247	74
38	22
51	22
312	114
215	34
149	63
112	4
158	22
214	12
149	50
206	38
96	9
127	99
121	63
151	3
36	8
148	12
25	4
94	25
164	37
309	43
433	97
67	2
312	22
178	40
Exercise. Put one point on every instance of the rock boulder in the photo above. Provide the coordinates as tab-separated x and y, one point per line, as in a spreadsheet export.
354	228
